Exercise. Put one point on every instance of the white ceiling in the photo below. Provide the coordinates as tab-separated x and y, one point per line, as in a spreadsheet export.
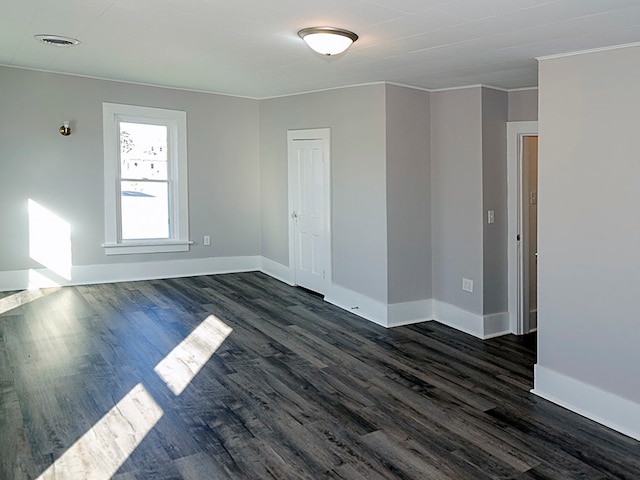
251	48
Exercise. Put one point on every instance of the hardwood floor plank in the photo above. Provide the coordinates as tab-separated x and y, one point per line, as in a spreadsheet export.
414	466
354	453
200	465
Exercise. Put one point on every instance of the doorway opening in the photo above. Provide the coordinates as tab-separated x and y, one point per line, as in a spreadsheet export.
522	173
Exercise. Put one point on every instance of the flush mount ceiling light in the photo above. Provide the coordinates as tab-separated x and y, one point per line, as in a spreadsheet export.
57	40
327	40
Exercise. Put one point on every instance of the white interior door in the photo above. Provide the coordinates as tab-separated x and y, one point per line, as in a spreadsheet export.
309	209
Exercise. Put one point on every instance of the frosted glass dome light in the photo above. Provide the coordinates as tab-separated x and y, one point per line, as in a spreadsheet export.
328	40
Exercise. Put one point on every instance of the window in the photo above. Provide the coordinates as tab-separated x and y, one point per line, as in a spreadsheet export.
145	171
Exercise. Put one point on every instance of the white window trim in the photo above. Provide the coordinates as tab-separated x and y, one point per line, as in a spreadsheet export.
176	120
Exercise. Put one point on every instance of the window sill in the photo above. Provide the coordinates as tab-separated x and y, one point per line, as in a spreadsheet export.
158	246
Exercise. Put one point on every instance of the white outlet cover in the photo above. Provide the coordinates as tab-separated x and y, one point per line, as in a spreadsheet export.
467	285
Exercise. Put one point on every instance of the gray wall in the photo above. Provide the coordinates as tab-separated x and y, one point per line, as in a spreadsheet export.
356	117
589	231
456	196
65	174
408	194
411	173
494	197
523	105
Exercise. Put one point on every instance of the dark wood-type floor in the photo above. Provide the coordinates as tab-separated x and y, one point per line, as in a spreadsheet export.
299	389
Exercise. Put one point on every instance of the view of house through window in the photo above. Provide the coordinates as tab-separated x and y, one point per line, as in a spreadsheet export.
144	181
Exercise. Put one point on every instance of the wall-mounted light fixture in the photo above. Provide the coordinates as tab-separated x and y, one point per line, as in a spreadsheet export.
327	40
65	129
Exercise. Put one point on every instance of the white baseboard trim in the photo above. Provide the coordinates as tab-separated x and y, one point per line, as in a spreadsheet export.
496	325
457	318
407	313
14	280
387	315
589	401
480	326
344	298
393	315
277	270
126	272
357	304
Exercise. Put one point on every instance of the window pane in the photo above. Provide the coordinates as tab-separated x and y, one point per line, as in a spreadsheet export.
143	151
145	210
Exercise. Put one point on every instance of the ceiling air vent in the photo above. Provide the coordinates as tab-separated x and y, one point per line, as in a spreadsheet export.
57	40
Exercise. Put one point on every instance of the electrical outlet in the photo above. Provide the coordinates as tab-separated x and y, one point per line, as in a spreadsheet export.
207	240
467	285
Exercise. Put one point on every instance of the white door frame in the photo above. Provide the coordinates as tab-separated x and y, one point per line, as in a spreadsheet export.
517	283
323	134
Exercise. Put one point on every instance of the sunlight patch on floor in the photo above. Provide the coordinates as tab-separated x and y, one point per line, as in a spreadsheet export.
183	363
100	452
18	299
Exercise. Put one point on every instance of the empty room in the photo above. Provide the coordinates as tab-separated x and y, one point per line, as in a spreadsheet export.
355	239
